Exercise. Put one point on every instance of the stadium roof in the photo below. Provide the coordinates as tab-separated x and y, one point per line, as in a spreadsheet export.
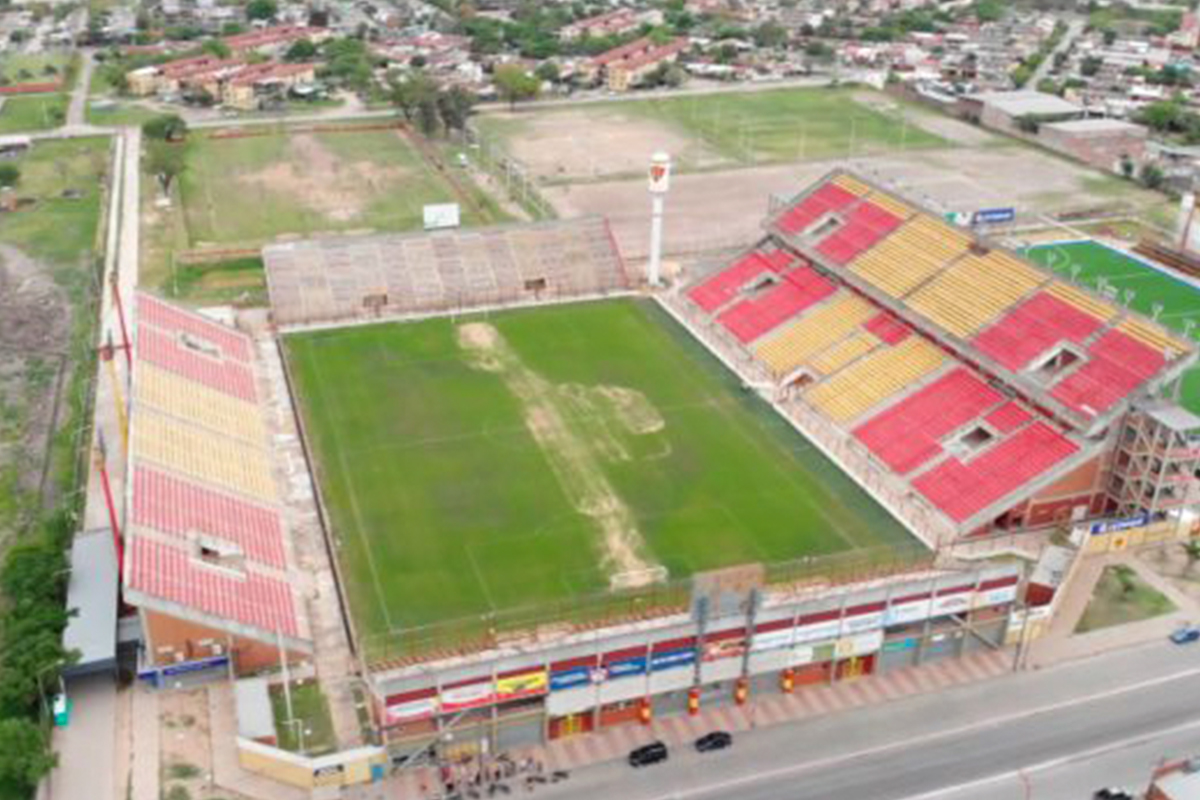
92	594
206	539
967	372
342	278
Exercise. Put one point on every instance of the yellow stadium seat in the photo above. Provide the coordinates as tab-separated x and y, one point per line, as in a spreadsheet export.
869	381
813	332
851	184
1100	309
193	402
975	290
197	453
912	254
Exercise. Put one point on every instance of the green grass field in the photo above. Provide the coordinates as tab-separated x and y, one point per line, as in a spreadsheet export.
1179	300
458	485
788	124
34	112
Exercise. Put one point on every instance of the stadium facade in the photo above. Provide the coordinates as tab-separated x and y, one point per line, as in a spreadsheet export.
969	391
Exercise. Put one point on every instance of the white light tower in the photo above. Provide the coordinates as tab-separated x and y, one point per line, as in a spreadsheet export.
660	183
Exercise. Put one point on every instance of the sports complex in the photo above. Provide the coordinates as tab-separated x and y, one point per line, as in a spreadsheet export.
555	499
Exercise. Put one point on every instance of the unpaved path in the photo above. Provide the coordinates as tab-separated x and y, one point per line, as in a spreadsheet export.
573	456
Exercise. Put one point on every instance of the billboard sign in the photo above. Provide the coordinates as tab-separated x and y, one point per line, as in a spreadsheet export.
863	622
996	597
772	640
724	648
1111	526
441	216
950	604
818	631
904	613
994	216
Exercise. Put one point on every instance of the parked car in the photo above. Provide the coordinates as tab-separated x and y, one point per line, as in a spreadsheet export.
1112	793
648	754
1185	635
717	740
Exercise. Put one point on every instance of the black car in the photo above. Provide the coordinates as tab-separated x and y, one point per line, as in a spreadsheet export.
1112	793
717	740
648	754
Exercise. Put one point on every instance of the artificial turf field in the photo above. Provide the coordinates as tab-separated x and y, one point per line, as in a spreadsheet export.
446	504
1180	301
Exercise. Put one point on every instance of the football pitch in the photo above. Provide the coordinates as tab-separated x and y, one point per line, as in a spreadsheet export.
1177	300
499	462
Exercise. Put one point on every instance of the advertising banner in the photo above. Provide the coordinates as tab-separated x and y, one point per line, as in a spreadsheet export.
725	648
950	604
672	659
862	622
413	710
625	668
860	644
570	678
526	684
473	695
904	613
818	631
996	597
772	640
994	216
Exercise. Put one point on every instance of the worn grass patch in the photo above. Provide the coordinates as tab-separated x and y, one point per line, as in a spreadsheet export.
1121	596
312	729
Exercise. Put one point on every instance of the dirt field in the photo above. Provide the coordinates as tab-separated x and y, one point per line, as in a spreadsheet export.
710	210
587	143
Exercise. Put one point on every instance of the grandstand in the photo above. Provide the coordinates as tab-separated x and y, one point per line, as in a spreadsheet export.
207	551
986	390
339	279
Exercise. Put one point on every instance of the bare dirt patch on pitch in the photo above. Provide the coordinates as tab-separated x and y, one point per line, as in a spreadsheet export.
321	179
575	439
598	142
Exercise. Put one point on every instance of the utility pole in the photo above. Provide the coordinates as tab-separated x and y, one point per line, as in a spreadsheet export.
660	183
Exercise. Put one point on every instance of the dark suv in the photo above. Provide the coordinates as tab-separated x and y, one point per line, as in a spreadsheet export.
648	754
717	740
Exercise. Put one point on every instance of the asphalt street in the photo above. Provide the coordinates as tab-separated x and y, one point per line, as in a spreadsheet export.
1057	733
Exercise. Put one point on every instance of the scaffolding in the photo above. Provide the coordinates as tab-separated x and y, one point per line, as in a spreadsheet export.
1156	460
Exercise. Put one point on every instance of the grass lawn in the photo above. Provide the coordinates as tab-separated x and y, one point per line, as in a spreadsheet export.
31	67
1117	600
1180	301
119	114
787	124
34	112
238	281
311	709
58	229
601	432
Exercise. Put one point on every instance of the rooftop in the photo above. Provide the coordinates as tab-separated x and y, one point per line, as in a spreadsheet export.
1021	103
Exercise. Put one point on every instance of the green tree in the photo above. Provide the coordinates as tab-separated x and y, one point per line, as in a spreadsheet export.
1163	116
261	9
1126	578
301	50
24	756
165	128
407	93
10	174
454	107
215	47
548	71
428	119
1191	549
514	84
166	162
770	34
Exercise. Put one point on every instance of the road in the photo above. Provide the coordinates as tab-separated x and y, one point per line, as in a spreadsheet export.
1070	728
1074	27
77	111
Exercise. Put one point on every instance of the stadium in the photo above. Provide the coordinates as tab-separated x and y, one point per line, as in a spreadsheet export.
540	498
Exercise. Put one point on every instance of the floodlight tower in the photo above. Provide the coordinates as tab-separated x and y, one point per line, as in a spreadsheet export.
660	183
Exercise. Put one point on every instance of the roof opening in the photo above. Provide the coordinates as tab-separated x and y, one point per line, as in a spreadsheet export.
199	345
1059	360
825	227
217	553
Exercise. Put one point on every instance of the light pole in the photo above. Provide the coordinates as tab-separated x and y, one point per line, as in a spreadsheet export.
660	183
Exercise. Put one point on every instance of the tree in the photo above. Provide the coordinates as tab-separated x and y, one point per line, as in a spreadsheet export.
261	9
514	84
10	175
1163	116
770	34
428	120
1127	166
407	93
1127	579
300	51
454	106
25	757
165	128
166	162
548	72
1191	549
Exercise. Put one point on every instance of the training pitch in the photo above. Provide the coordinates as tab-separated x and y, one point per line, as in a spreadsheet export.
489	463
1176	300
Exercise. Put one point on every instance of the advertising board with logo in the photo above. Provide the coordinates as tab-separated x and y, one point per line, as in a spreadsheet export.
862	622
527	684
772	640
818	631
950	604
625	668
472	695
994	216
413	710
904	613
860	644
673	659
724	648
570	678
996	597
